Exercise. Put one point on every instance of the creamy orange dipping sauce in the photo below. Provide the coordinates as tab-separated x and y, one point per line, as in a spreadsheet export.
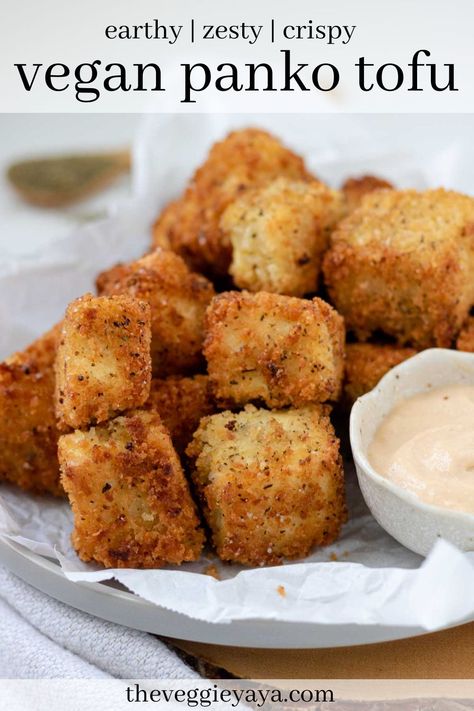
426	445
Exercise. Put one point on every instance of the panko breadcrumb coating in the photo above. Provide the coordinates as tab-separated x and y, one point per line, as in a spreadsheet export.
402	263
271	482
41	352
181	404
178	299
366	364
131	503
465	341
277	349
28	432
354	189
279	233
244	159
103	363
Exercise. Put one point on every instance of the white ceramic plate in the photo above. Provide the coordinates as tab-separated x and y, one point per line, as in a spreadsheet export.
118	605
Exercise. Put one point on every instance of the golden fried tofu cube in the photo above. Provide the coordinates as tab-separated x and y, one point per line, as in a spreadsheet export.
355	189
402	263
181	403
178	299
465	341
28	432
271	482
131	502
279	233
366	364
244	159
277	349
103	364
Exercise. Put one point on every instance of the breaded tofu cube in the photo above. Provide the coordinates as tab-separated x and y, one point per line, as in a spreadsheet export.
181	404
354	189
178	299
131	502
402	263
271	482
28	432
279	233
103	364
366	364
465	341
277	349
244	159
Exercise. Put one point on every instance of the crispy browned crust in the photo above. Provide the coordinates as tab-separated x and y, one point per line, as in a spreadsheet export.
181	404
366	364
465	341
354	189
178	299
190	225
271	483
131	503
103	364
41	352
28	432
277	349
402	263
279	233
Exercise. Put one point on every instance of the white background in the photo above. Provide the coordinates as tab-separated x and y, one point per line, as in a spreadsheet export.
389	31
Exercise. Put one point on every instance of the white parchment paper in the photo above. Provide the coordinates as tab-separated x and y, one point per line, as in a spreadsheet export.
366	577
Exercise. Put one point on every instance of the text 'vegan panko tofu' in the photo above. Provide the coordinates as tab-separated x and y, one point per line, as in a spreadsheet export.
402	263
178	299
279	233
244	159
28	431
271	482
277	349
131	502
103	363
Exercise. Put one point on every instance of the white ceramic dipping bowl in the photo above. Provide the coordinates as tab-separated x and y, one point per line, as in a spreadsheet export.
401	513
